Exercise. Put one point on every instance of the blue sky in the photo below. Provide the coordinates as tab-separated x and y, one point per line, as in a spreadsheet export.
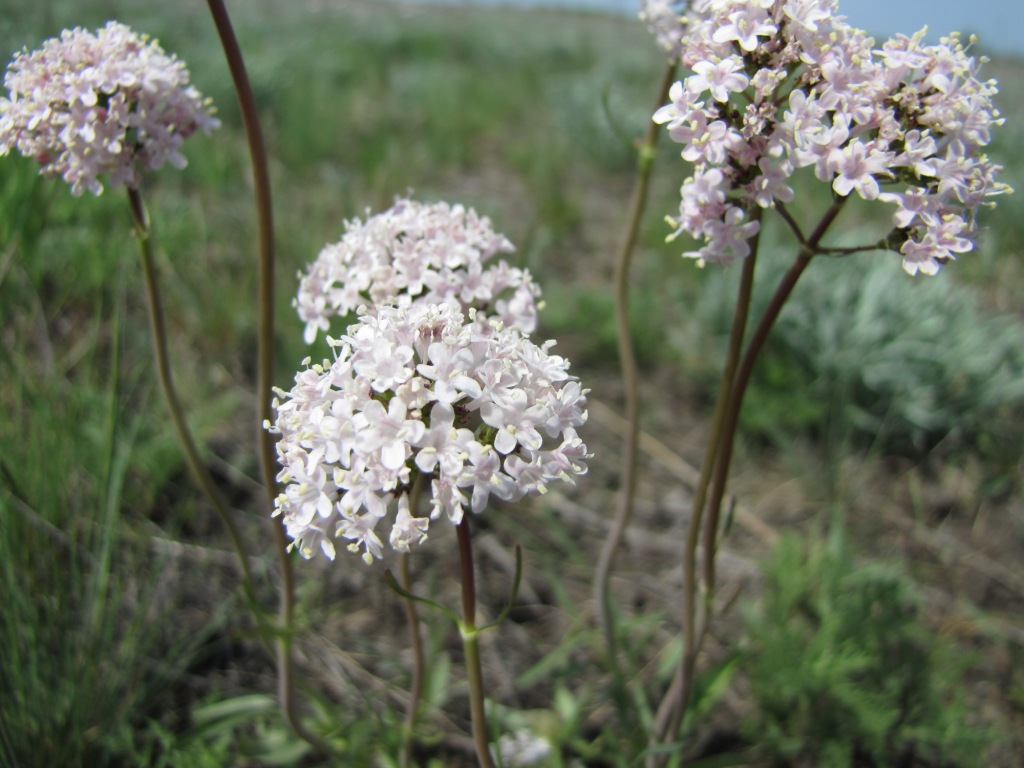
998	23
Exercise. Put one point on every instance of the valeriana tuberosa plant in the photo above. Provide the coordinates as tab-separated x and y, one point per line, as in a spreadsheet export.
111	106
447	398
776	86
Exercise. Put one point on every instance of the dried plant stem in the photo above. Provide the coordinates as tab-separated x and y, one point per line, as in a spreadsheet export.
265	364
471	645
158	327
627	361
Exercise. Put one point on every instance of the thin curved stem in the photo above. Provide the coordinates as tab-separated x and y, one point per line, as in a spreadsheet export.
851	250
782	293
471	645
158	327
788	218
265	364
630	377
670	715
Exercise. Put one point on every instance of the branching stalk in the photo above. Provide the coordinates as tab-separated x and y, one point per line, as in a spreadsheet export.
782	293
716	466
788	218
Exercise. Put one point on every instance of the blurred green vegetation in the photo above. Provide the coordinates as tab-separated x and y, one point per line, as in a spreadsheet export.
844	672
118	656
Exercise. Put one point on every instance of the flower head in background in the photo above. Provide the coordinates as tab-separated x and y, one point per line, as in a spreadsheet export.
110	103
417	253
664	19
777	85
473	409
521	748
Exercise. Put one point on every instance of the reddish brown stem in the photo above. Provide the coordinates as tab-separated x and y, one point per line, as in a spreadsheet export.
782	293
265	363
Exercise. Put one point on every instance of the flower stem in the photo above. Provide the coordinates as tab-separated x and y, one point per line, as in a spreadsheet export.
782	293
416	688
630	377
265	364
416	636
670	715
471	645
719	451
158	328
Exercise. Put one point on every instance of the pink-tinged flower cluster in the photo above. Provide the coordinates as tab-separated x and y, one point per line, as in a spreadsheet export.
777	85
664	20
417	253
422	393
112	103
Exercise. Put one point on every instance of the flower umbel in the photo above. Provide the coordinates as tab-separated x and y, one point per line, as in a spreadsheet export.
474	408
783	84
84	105
417	253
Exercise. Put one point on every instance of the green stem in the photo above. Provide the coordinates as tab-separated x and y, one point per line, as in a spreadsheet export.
158	328
416	636
630	377
265	364
471	645
416	689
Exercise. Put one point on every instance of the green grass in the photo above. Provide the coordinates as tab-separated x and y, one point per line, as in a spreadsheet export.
91	644
116	656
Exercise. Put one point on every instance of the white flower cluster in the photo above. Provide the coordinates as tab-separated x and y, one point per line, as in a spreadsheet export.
782	84
476	409
417	252
108	103
664	20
